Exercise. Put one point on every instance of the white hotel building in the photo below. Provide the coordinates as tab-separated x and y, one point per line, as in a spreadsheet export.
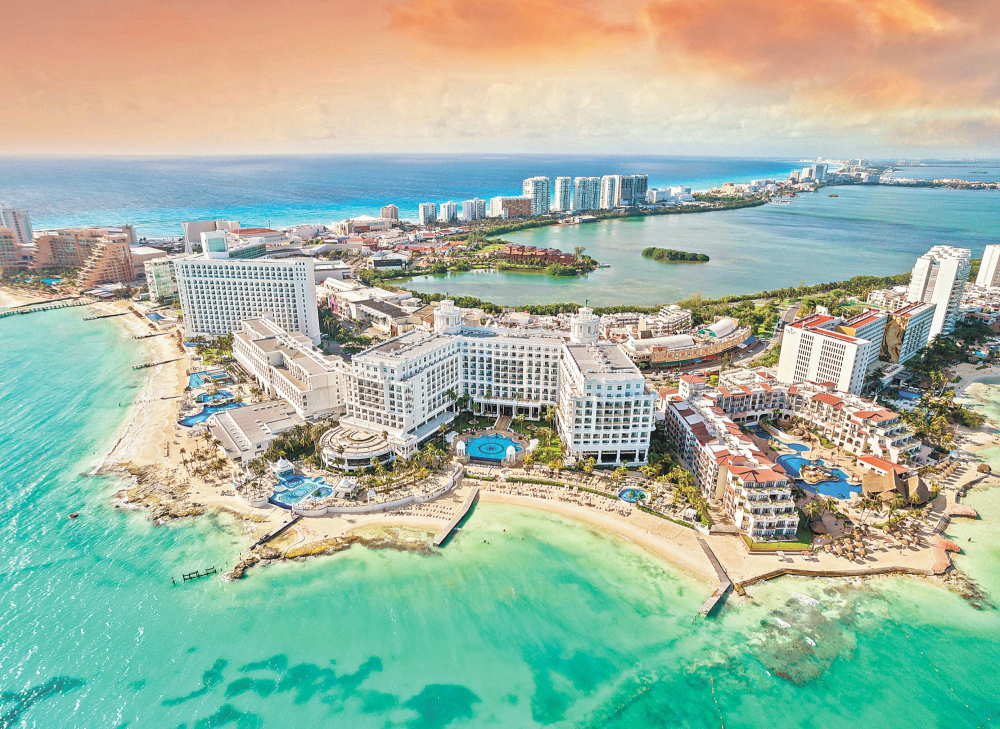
406	387
218	292
287	365
824	348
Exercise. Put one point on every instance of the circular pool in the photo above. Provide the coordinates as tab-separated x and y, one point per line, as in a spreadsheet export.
632	496
491	447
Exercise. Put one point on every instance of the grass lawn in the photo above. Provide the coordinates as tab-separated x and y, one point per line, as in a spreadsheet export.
469	420
803	539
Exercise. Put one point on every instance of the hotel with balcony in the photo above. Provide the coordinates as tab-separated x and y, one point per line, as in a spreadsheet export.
755	493
404	389
857	425
288	366
218	292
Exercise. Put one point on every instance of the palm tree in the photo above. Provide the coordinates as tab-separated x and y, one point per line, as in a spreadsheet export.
618	475
520	421
549	413
812	509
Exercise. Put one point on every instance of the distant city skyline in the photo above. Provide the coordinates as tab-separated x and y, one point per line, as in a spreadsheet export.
904	78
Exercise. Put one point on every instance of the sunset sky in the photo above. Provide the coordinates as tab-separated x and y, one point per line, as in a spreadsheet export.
753	77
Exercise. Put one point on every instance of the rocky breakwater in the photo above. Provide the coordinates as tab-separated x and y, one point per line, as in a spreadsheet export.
401	540
163	498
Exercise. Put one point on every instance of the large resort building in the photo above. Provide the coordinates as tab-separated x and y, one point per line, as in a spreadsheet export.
287	365
398	393
218	292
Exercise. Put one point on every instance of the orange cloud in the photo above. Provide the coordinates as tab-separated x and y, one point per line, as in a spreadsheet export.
508	28
882	51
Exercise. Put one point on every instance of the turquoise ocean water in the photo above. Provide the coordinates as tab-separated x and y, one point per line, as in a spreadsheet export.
545	623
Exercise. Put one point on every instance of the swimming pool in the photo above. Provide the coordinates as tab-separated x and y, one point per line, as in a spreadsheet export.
153	316
220	395
290	491
491	447
206	413
198	379
632	496
838	488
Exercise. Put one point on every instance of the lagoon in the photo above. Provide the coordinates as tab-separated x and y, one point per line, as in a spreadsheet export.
865	230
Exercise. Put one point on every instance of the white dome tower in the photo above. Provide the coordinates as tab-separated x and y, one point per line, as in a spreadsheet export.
448	318
583	327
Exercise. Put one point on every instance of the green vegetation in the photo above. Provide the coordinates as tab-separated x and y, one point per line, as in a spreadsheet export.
213	351
300	442
334	328
937	411
669	255
465	420
769	358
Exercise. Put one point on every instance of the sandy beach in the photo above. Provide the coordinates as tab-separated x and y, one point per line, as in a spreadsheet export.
971	374
150	443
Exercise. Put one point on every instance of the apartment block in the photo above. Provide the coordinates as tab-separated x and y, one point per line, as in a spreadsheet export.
907	332
755	493
19	223
406	387
511	207
13	256
989	268
389	212
427	213
857	425
537	189
217	292
605	409
474	209
562	199
939	278
586	193
160	280
109	261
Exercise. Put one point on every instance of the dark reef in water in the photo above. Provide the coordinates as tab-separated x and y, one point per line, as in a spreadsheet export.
24	700
437	705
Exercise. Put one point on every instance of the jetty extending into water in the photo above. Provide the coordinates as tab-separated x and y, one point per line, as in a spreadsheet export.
108	316
155	364
276	532
725	584
45	306
459	515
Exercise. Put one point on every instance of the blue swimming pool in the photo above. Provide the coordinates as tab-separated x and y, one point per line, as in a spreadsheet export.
220	395
198	379
491	447
207	412
154	317
632	496
290	491
838	488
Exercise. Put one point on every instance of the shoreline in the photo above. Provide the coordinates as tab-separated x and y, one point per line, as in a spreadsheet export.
147	452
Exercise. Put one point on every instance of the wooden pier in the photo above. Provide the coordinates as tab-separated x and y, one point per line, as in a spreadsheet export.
155	364
149	336
466	505
107	316
188	576
725	584
42	306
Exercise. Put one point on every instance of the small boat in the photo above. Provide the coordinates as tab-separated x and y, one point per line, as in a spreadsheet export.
74	515
833	194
